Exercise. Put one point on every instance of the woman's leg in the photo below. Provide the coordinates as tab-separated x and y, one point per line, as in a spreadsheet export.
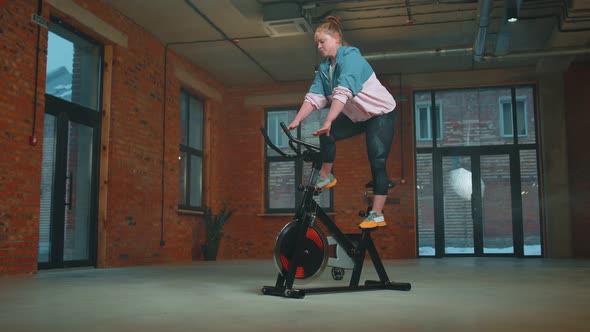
342	128
380	131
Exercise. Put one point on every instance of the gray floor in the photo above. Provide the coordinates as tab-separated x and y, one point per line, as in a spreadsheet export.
451	294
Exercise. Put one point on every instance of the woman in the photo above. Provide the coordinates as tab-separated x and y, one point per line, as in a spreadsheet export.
358	103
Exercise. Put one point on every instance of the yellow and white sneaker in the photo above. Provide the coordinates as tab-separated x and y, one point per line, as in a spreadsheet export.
373	220
326	183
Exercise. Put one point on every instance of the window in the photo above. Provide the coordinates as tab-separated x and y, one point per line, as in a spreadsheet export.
190	186
274	128
73	67
479	142
284	175
424	122
506	126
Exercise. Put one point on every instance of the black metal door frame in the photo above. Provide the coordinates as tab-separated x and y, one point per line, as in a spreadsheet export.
475	154
65	112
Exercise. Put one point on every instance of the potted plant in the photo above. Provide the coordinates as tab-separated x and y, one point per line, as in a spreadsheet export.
214	223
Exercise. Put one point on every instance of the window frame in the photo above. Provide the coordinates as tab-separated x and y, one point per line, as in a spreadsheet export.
417	107
508	100
189	152
299	166
69	32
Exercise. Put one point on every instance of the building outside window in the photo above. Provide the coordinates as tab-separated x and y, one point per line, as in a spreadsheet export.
506	120
424	121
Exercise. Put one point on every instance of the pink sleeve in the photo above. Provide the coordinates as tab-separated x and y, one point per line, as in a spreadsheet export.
318	101
341	93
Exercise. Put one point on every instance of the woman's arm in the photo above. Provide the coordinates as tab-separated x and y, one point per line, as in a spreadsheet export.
335	110
304	111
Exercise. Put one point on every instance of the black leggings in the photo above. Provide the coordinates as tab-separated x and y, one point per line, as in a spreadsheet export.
379	131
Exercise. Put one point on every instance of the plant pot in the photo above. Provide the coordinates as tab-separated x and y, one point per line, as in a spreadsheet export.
210	251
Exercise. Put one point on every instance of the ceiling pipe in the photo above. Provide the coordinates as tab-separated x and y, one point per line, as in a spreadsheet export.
406	54
480	39
538	54
487	58
479	47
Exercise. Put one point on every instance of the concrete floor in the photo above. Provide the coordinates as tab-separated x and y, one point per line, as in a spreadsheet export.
451	294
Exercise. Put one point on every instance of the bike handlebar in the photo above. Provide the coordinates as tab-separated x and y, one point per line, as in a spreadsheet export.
293	144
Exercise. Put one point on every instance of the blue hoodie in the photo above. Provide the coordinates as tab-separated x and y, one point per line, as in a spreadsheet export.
354	83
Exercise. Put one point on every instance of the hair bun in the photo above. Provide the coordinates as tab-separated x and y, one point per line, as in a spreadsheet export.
333	19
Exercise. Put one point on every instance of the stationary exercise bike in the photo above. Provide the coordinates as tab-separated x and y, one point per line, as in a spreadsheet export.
302	251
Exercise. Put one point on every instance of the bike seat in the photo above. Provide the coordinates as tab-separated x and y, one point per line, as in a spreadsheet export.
371	184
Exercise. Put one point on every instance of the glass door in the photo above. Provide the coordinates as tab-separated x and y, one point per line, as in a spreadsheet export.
67	218
479	204
458	205
77	198
496	200
48	169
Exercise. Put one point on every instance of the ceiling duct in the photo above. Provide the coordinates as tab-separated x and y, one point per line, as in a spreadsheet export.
284	19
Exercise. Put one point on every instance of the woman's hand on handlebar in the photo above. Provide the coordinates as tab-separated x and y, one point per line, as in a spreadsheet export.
293	125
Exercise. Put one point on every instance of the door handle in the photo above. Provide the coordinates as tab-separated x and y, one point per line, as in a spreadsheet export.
473	208
69	201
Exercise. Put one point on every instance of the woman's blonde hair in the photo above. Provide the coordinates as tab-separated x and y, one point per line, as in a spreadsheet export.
331	26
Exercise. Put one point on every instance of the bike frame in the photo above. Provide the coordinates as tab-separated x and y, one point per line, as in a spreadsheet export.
355	245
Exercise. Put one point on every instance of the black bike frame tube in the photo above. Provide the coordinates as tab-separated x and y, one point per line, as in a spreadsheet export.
336	233
308	193
281	280
377	263
303	221
359	259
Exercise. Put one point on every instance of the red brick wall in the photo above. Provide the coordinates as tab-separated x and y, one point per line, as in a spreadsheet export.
577	100
234	156
20	163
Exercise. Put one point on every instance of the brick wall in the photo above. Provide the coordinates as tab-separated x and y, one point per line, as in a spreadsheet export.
577	102
20	163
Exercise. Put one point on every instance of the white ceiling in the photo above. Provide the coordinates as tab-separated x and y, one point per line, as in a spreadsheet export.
228	39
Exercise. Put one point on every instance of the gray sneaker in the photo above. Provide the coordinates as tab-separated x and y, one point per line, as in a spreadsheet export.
326	183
